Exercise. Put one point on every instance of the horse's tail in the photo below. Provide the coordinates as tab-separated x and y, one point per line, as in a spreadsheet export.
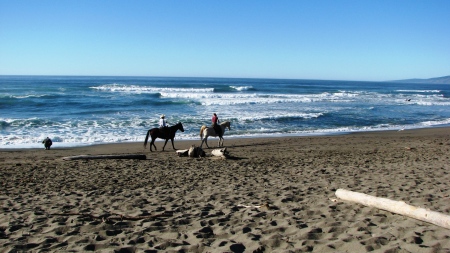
146	139
201	131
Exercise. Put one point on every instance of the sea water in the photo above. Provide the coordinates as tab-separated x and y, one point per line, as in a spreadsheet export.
77	110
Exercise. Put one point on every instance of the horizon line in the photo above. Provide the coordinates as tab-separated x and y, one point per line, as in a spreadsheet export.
205	77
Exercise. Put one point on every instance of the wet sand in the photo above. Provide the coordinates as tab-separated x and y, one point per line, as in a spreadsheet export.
271	195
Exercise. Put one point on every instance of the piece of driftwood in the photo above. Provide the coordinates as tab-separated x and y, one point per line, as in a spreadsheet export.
196	152
193	151
244	206
265	206
129	156
182	152
398	207
220	153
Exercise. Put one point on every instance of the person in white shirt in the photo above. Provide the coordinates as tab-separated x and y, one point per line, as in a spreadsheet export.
162	121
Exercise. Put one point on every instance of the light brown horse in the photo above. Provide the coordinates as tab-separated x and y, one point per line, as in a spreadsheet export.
205	132
167	134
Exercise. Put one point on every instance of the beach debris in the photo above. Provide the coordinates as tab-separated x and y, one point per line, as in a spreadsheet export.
223	153
265	206
182	152
398	207
245	206
125	156
196	152
193	151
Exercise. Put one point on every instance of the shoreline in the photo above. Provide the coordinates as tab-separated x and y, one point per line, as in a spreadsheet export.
192	141
273	194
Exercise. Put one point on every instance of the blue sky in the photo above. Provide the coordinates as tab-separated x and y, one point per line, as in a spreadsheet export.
328	40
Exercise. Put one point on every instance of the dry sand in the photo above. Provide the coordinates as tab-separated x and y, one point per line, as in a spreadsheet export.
272	195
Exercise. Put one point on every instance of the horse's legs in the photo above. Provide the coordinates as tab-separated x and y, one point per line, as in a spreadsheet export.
165	144
152	144
201	144
172	144
205	140
220	141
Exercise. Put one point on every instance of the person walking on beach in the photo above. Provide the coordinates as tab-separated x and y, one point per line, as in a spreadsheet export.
215	125
47	143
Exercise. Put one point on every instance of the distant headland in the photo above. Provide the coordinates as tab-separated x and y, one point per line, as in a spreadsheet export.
435	80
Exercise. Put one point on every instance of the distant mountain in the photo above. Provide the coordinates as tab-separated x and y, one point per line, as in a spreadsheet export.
436	80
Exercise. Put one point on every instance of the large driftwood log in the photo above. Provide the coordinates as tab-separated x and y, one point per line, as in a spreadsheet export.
130	156
398	207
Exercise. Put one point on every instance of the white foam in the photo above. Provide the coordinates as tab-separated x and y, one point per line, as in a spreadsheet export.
420	91
147	89
273	115
241	88
23	96
104	136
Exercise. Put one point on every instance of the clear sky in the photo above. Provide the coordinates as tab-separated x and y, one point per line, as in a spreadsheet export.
330	40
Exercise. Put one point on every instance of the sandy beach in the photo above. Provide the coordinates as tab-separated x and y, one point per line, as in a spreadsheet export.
271	195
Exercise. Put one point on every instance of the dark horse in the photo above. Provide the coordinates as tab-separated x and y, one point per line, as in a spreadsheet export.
168	133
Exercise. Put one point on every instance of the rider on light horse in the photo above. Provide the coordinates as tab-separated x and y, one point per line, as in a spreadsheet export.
215	125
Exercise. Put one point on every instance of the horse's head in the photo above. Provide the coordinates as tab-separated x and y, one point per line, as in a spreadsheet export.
228	124
180	126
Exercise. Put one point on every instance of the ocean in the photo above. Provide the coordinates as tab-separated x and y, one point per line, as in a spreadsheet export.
78	110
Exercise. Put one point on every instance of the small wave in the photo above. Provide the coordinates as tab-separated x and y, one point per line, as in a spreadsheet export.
242	88
23	123
264	116
420	91
147	89
435	122
23	96
197	95
430	103
238	98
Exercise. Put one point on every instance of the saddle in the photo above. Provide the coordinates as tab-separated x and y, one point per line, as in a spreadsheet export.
163	132
218	130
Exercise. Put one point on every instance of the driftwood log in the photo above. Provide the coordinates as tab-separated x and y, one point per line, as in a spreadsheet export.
130	156
398	207
182	152
196	152
223	153
193	151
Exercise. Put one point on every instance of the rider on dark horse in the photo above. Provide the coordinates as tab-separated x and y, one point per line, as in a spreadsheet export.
215	125
163	125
